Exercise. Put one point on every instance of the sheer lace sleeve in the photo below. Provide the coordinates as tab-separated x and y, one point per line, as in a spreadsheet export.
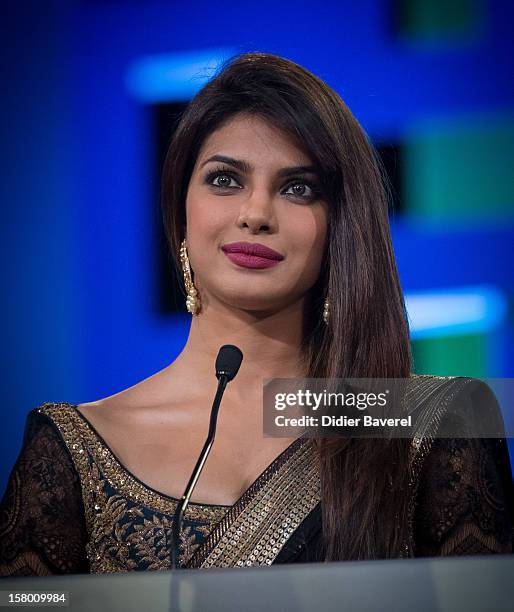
465	501
42	523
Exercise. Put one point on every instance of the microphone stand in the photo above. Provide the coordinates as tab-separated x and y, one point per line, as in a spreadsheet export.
184	500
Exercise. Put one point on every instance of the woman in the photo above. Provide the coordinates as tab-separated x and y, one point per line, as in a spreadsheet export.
265	154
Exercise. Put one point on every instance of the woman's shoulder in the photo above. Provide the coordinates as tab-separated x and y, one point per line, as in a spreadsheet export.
424	382
453	406
44	419
60	416
112	411
421	387
117	422
41	428
159	392
79	427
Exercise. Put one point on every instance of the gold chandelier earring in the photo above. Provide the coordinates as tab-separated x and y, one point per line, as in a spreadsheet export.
193	303
326	311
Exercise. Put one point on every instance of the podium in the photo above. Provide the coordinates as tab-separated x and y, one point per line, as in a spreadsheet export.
427	584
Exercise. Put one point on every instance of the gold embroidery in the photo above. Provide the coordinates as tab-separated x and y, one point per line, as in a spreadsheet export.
188	544
254	530
76	430
129	525
125	535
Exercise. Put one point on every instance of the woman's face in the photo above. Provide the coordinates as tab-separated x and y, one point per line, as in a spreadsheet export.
256	194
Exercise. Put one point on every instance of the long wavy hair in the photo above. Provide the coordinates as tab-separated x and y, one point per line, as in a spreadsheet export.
364	482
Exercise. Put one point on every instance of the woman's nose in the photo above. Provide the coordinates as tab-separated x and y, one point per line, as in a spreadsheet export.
257	212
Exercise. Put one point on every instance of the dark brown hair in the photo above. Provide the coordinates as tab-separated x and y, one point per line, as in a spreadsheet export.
364	490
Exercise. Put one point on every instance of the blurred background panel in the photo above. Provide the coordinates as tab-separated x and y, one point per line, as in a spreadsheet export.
92	91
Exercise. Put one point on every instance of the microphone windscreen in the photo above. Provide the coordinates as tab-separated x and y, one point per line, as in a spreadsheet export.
228	361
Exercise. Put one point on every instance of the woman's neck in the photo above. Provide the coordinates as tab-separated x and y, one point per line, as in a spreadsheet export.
270	343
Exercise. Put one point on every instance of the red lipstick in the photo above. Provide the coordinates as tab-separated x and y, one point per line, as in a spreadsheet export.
251	254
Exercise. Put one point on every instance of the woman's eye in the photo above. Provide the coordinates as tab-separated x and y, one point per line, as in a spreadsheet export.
301	190
223	179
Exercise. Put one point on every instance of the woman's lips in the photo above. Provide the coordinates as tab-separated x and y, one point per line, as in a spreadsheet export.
252	254
251	261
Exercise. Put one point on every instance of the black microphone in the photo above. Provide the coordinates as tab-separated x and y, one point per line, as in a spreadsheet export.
228	362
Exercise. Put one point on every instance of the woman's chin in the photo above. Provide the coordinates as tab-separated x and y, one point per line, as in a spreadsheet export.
254	306
257	307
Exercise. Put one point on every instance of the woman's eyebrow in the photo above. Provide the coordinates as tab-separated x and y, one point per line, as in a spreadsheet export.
248	168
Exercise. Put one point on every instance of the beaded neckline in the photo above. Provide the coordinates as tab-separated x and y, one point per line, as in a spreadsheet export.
169	498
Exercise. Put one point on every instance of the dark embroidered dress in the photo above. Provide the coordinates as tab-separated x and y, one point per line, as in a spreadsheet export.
72	507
